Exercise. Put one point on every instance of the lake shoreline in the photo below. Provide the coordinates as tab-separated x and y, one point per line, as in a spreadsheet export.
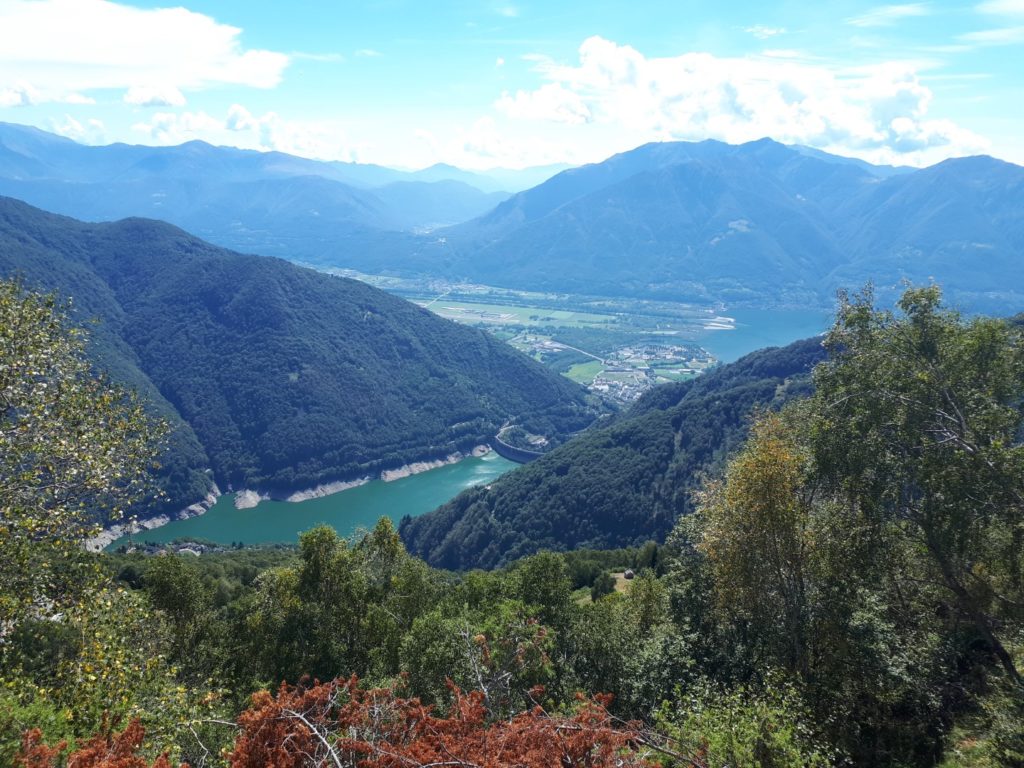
112	533
250	499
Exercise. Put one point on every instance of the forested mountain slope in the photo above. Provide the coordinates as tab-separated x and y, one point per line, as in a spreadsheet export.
760	223
274	203
619	484
277	377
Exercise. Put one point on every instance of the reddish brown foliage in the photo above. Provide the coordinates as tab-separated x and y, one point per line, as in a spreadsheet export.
105	750
340	724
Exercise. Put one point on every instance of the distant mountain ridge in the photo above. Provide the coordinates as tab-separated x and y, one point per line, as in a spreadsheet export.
222	193
276	377
759	223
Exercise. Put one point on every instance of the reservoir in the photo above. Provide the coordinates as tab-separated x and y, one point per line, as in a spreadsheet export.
348	511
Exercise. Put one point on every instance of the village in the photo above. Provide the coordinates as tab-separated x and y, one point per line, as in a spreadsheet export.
626	373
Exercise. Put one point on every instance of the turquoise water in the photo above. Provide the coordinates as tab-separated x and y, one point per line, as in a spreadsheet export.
357	508
758	328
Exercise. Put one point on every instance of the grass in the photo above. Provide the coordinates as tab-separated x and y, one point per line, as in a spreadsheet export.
621	582
584	373
514	314
673	374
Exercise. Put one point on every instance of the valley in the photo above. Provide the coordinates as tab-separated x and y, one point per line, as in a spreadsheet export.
619	347
348	512
727	369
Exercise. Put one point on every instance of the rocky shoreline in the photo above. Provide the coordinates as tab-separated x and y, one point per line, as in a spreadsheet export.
249	499
112	533
390	475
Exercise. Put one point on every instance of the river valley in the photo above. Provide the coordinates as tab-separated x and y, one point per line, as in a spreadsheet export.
348	511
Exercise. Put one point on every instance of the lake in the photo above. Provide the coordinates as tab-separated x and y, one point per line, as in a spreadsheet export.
759	328
348	511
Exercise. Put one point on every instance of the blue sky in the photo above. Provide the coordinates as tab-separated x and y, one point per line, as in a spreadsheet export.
481	84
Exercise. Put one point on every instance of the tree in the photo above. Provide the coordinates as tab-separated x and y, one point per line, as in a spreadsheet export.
74	450
755	532
917	424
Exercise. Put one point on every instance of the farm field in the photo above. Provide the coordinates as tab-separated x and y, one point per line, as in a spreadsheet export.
584	373
515	314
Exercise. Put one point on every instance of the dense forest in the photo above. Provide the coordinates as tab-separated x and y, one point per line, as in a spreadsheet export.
273	376
847	590
616	484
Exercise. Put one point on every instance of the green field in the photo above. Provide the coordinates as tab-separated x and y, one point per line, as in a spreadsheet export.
584	373
673	374
513	314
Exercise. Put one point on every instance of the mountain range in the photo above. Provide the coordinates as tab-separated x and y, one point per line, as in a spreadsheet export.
758	224
269	202
276	377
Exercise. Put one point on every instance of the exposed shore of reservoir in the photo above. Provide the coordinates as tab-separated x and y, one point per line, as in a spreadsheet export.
249	499
112	533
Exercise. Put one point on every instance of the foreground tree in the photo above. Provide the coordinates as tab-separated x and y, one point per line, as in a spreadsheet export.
917	424
73	448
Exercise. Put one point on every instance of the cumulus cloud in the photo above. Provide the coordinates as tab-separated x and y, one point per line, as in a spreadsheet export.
18	95
87	132
879	113
154	96
888	15
62	47
241	128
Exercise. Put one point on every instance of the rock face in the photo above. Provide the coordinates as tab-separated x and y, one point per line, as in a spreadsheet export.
416	467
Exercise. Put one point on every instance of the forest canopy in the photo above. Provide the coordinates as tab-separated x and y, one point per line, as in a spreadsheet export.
847	590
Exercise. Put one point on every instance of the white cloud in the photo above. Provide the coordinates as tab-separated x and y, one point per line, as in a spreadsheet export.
241	128
888	15
762	32
154	96
879	113
69	46
499	62
1002	7
368	53
18	95
999	36
508	11
552	101
783	53
90	132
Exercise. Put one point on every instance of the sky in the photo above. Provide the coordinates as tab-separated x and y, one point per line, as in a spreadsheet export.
516	83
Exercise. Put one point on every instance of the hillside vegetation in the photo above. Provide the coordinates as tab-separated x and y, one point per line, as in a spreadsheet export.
847	590
274	376
617	484
758	223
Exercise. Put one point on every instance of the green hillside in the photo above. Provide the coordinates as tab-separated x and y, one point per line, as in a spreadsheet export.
277	377
618	485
